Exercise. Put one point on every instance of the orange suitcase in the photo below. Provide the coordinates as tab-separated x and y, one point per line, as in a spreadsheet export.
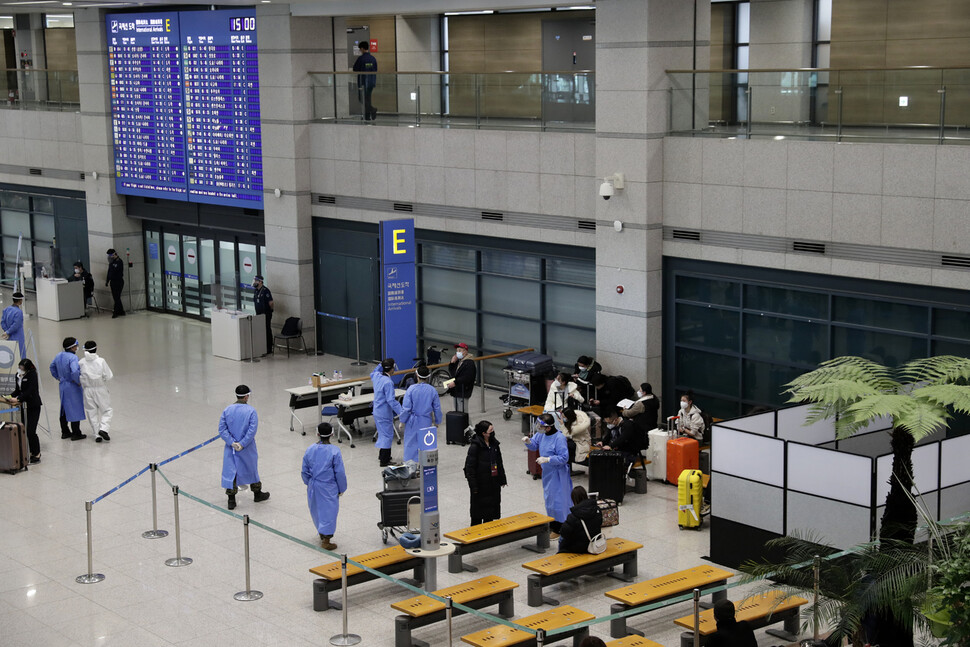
682	454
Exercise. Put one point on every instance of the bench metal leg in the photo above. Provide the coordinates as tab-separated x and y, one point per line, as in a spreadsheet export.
506	608
618	626
629	570
580	636
321	598
542	541
456	565
789	632
687	639
402	632
534	592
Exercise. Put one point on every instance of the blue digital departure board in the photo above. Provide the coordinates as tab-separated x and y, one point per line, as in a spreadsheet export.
185	106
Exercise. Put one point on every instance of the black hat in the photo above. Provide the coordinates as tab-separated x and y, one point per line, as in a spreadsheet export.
91	346
111	251
423	372
242	391
69	342
325	430
18	295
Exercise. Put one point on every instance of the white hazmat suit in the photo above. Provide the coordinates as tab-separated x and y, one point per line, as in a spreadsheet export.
95	374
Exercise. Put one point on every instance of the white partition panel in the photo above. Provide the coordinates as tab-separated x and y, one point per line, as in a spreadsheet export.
748	455
791	426
956	458
749	503
837	524
828	473
760	423
926	467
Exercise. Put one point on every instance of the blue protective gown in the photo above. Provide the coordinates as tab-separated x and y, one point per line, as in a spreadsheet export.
12	323
385	408
421	401
67	372
557	486
323	473
238	424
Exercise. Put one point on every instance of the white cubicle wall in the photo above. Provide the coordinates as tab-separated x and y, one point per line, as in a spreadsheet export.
750	478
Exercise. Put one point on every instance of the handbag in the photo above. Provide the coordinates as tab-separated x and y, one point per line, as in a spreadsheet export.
597	544
610	512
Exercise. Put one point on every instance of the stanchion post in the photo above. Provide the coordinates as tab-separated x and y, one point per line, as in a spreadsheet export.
448	616
344	638
816	567
481	383
929	555
540	637
154	533
697	618
252	343
357	335
178	560
90	577
249	594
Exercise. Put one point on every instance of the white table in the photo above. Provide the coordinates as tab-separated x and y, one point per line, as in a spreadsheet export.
59	299
358	406
236	333
302	397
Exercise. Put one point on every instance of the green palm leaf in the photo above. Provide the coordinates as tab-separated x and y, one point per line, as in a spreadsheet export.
955	396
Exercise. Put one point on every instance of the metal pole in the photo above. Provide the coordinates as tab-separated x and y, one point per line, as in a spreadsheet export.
942	92
154	533
929	556
697	618
178	560
481	383
451	639
838	125
344	638
540	637
357	335
90	577
417	107
249	594
747	110
252	344
817	568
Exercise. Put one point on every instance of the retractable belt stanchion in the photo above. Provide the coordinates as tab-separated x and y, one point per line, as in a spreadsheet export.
697	618
252	345
178	560
540	637
90	577
357	335
249	594
154	533
344	638
448	616
817	567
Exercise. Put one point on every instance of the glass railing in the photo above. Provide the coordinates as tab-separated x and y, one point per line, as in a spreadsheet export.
39	89
914	104
506	100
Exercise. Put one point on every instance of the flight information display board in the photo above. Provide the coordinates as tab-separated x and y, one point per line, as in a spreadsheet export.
185	106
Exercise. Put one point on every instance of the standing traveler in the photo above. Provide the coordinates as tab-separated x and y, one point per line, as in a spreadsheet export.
116	281
485	473
95	374
325	479
27	394
263	301
385	408
87	281
366	82
557	486
12	322
67	372
420	409
463	371
574	537
237	426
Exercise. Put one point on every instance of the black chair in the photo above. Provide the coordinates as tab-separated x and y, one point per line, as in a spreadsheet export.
292	329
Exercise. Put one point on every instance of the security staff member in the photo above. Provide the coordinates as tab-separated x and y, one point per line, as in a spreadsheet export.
263	300
116	281
12	322
237	427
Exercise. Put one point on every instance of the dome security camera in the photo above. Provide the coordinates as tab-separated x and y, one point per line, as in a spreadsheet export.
606	190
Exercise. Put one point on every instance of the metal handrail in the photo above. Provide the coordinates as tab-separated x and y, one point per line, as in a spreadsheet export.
441	73
822	69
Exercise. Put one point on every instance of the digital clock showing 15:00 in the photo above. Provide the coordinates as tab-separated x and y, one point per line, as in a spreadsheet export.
246	23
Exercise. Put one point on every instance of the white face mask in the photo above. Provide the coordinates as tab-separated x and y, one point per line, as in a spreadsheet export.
610	425
639	394
683	405
20	372
460	355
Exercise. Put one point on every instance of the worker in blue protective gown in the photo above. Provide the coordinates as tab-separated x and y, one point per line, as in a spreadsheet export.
385	408
421	409
12	322
237	427
557	486
326	480
67	372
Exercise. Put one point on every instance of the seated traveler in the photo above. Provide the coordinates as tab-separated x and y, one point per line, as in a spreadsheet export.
730	632
574	538
645	410
690	422
563	394
622	436
575	424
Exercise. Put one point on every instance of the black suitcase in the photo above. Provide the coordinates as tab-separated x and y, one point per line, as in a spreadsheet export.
607	474
13	447
456	422
531	363
394	507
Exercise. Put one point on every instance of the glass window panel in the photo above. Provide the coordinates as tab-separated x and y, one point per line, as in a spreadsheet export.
43	227
43	205
885	348
951	323
706	326
784	340
565	344
15	223
569	305
703	371
743	55
13	200
511	264
565	270
787	302
447	286
445	325
445	256
823	54
692	288
248	264
824	19
744	22
10	256
945	347
503	333
512	296
153	269
717	407
880	314
763	382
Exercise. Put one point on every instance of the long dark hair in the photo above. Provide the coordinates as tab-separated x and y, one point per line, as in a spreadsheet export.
27	365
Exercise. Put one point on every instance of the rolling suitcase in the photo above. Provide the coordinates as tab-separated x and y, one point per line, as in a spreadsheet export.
533	468
657	454
682	454
690	491
607	474
13	447
456	422
532	363
394	510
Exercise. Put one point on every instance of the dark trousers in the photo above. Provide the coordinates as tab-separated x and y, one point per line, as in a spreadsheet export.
485	505
116	287
75	425
30	418
269	330
369	111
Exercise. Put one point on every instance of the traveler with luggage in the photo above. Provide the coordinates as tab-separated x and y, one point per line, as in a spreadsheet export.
463	371
485	473
575	537
563	394
575	424
420	409
385	408
622	436
27	395
645	411
325	479
690	421
554	459
610	390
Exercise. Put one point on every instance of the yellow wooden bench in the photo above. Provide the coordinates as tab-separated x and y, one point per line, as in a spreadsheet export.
388	561
557	618
662	588
497	533
422	610
758	610
633	641
565	566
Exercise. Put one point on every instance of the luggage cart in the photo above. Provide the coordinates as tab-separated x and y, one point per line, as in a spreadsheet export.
400	512
519	393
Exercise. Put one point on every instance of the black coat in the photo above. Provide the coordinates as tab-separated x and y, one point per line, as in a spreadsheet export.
574	539
486	489
627	438
733	634
464	372
28	391
616	388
